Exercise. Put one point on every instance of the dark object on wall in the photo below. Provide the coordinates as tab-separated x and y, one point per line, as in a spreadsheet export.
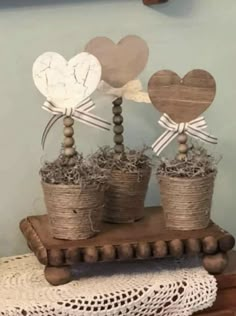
147	2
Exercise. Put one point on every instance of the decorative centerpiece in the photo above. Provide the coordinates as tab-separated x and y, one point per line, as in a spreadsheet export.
130	170
73	186
187	181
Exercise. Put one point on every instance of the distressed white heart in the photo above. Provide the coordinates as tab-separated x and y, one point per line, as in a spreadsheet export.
66	83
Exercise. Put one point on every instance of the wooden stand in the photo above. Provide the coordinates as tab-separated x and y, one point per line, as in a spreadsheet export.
147	238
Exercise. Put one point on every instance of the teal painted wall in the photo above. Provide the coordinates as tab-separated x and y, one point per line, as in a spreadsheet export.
181	34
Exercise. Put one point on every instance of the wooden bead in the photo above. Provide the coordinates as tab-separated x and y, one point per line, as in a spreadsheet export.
192	246
56	257
68	121
181	156
30	246
58	276
68	131
90	254
215	264
119	148
69	141
42	255
73	256
69	151
118	139
209	245
176	248
117	110
143	250
118	119
183	148
71	162
118	129
117	101
227	242
125	252
182	138
108	253
159	249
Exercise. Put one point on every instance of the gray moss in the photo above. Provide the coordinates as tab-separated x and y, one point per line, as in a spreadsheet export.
76	170
197	164
130	161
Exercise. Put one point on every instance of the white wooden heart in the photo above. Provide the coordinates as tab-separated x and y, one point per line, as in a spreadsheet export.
66	83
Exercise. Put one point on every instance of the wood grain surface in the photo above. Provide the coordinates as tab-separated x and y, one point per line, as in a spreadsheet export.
182	99
120	62
146	238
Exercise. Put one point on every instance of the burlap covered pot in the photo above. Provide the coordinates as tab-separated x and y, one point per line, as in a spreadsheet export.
74	212
186	202
124	199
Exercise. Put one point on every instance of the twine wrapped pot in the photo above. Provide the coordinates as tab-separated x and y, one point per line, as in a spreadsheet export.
74	212
125	196
187	202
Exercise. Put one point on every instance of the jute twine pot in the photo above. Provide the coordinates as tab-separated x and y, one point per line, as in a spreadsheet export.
124	199
186	202
74	212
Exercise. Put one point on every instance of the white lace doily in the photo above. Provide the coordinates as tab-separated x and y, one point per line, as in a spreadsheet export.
137	288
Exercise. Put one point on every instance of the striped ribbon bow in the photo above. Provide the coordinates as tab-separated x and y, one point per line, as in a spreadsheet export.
193	128
79	113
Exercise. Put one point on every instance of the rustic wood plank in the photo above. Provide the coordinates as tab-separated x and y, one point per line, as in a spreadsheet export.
147	238
149	229
182	99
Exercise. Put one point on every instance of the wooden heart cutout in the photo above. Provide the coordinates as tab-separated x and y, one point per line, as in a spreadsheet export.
182	99
120	62
66	84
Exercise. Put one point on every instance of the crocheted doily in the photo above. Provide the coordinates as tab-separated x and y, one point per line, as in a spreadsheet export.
157	287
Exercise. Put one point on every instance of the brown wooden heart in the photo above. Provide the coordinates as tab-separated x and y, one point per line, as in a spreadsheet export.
120	62
182	99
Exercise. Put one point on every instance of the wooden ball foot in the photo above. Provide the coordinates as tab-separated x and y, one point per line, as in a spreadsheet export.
215	264
58	275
